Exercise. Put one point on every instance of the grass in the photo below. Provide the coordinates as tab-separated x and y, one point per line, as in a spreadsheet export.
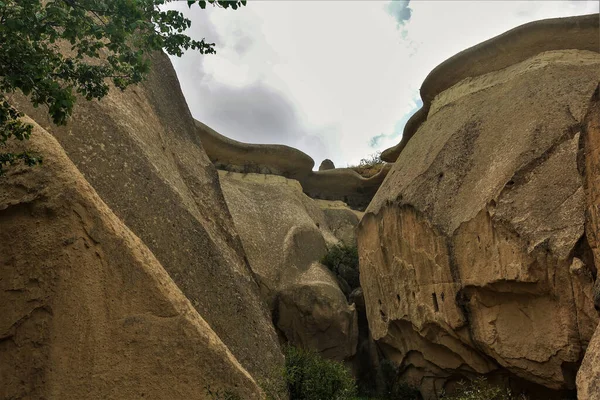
310	377
370	166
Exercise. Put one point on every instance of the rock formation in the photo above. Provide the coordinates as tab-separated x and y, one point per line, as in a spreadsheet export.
588	377
140	151
475	253
329	184
285	235
497	53
326	165
87	310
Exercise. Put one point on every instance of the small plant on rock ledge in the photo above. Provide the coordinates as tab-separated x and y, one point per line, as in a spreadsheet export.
370	166
342	260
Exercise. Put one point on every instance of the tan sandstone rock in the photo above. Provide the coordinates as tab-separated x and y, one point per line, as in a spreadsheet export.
86	310
588	377
502	51
329	184
140	151
474	253
285	234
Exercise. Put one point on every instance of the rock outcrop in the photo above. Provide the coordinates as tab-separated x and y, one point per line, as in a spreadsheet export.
500	52
475	254
87	311
140	151
326	165
588	377
329	184
285	235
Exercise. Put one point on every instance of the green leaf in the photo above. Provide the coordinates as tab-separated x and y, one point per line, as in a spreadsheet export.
111	41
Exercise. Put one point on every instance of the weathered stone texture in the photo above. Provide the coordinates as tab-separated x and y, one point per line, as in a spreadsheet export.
474	252
285	235
87	311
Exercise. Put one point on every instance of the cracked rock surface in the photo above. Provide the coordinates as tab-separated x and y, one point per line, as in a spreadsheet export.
474	252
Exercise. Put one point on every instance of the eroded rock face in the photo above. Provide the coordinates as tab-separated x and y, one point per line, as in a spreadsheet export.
313	313
140	151
285	235
86	310
588	377
474	253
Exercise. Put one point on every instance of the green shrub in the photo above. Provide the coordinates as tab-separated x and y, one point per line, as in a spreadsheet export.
342	260
370	166
310	377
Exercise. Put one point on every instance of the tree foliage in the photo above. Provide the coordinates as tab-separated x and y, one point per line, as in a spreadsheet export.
52	50
311	377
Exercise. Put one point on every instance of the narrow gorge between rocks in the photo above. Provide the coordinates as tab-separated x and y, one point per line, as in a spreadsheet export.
152	257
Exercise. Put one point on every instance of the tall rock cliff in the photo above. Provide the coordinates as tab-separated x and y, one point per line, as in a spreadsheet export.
140	151
475	252
588	377
87	311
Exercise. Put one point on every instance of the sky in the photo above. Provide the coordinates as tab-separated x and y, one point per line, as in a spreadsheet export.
335	79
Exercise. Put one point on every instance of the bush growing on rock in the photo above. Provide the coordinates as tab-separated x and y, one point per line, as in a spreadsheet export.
342	260
370	166
310	377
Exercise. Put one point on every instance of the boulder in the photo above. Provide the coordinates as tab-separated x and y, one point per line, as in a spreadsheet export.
326	164
285	235
87	311
313	313
478	233
140	151
341	220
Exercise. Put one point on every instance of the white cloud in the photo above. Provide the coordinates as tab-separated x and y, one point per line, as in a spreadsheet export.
328	76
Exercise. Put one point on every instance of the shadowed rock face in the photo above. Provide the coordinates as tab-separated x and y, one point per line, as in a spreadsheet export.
497	53
327	184
87	311
285	235
588	377
475	254
140	151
